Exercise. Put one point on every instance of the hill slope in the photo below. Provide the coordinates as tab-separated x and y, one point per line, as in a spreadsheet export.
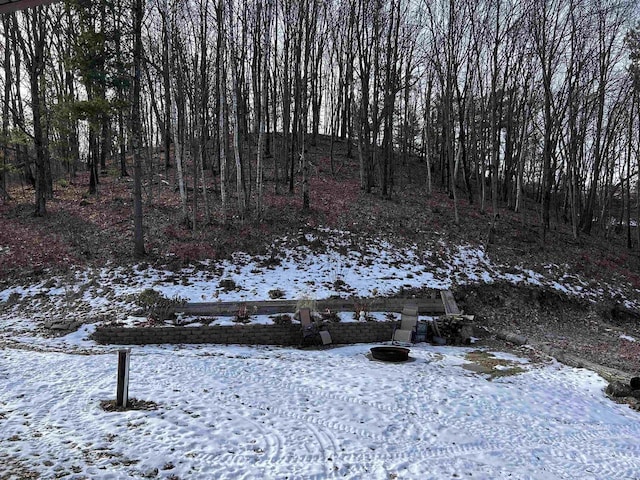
581	295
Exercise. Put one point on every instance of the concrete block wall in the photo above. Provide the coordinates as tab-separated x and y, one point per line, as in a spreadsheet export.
341	333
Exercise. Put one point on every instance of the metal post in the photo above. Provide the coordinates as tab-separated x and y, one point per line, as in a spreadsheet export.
122	392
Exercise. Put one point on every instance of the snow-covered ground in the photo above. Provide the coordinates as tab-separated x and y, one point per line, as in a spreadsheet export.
343	268
227	412
275	413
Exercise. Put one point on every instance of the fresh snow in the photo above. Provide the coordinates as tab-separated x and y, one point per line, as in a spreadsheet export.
230	412
243	412
376	270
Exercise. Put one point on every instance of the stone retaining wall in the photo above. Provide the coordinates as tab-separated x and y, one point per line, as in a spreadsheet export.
341	333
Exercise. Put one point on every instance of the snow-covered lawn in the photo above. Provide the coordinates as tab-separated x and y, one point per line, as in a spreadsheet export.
343	268
242	412
227	412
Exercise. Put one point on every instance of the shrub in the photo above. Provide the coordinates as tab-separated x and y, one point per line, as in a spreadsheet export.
362	309
174	232
189	252
306	301
282	319
339	284
243	315
276	293
329	316
227	284
156	305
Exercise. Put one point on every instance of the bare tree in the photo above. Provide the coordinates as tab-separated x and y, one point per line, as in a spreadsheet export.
7	21
264	112
33	44
609	20
235	115
136	127
549	27
221	81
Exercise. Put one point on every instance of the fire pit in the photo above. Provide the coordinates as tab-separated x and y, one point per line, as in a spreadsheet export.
390	354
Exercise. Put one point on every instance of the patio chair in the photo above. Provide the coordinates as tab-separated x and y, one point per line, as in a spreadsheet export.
325	337
311	334
309	329
406	332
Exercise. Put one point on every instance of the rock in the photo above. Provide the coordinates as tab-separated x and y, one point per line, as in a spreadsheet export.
466	331
635	383
624	314
151	473
618	389
63	325
513	338
227	284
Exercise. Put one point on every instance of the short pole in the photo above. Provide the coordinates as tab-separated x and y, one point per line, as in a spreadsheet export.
122	392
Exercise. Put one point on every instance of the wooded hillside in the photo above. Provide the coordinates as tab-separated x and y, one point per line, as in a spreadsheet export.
232	109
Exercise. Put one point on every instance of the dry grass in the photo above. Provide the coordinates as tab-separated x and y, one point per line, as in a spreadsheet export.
486	363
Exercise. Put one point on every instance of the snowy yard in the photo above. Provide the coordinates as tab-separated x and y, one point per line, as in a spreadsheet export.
242	412
229	412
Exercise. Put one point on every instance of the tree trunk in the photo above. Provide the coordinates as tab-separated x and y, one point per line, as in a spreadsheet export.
521	156
264	116
286	96
629	155
495	121
240	189
204	110
166	85
426	137
274	102
179	121
138	236
221	84
8	78
34	54
40	146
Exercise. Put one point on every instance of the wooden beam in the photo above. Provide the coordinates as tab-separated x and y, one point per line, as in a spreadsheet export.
426	306
450	305
122	389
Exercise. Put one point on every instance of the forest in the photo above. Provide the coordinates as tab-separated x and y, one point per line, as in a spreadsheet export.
504	104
